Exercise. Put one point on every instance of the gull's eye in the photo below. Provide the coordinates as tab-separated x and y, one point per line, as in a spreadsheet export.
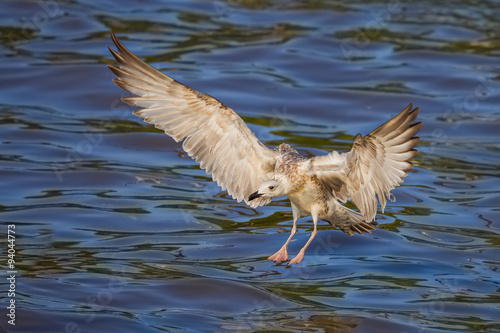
271	187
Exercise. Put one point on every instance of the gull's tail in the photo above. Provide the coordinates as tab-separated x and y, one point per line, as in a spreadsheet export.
350	221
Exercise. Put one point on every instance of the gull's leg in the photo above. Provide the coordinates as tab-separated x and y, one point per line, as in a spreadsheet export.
282	254
302	251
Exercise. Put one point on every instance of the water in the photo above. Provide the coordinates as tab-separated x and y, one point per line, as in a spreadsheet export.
117	230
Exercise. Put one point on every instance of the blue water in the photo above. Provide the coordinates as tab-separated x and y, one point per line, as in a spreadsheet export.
117	230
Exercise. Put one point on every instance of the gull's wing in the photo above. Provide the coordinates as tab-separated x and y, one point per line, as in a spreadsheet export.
376	164
213	134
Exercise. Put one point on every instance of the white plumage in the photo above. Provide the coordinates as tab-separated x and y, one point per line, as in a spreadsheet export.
217	138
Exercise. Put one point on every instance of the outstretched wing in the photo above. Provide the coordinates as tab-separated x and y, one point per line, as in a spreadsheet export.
213	134
376	164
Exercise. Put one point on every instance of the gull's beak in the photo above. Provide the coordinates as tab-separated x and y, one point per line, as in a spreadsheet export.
254	195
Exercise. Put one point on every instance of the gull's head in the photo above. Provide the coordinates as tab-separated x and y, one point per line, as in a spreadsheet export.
268	189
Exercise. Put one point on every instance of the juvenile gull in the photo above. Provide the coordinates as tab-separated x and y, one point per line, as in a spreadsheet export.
217	138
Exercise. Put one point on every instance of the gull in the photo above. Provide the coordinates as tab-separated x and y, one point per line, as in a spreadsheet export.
220	141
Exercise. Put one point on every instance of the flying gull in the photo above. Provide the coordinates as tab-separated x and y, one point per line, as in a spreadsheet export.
217	138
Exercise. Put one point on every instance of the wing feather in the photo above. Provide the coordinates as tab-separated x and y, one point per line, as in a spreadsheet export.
214	135
376	164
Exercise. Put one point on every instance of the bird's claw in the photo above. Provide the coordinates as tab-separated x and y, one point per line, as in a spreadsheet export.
297	259
281	255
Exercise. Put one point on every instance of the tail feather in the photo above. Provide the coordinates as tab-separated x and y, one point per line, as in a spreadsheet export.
350	221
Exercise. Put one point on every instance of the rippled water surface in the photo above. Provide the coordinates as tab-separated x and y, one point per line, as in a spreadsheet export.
118	231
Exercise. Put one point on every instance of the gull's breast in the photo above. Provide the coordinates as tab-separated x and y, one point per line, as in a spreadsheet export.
311	194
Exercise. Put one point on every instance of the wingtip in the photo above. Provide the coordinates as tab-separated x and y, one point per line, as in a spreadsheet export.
118	44
415	111
114	53
113	36
417	125
406	116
